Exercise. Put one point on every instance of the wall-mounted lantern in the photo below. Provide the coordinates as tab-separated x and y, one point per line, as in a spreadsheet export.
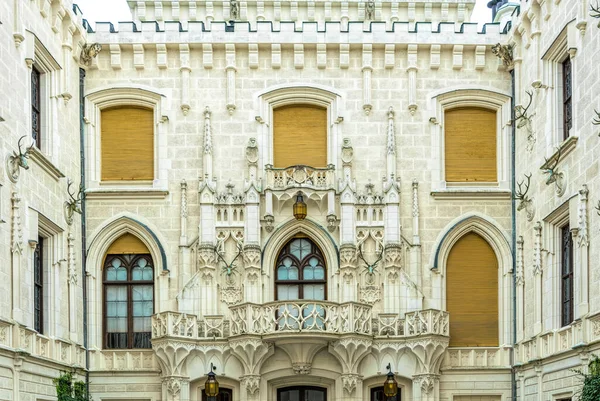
299	207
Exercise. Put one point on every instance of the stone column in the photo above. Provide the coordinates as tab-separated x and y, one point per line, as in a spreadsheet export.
426	387
537	273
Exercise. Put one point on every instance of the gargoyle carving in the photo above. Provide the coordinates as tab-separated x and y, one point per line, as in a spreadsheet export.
88	52
16	161
505	53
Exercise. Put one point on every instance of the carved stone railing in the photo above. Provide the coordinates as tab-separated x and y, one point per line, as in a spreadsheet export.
415	323
298	317
182	325
280	179
477	357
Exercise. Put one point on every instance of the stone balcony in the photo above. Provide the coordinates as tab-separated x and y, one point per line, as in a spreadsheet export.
300	318
294	177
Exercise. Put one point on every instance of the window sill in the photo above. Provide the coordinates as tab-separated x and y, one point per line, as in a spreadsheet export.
125	193
45	164
472	193
564	148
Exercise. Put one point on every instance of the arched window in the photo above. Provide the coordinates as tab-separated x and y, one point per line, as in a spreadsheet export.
128	278
300	271
472	293
302	393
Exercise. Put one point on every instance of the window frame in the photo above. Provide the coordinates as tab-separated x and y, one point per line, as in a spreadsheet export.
475	97
373	390
566	275
567	95
126	96
219	397
129	283
300	282
39	304
36	109
323	390
298	94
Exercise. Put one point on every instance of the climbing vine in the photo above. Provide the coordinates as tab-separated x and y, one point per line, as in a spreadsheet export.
68	389
591	381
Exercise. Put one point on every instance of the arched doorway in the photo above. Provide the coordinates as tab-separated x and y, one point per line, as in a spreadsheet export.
302	393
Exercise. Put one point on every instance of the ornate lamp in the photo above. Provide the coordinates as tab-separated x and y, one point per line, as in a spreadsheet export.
299	207
390	386
211	387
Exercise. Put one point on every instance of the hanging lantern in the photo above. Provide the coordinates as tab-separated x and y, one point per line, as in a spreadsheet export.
299	207
390	386
211	387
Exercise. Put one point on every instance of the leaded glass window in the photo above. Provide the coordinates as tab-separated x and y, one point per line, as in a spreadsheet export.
567	83
300	271
566	276
38	286
128	301
36	107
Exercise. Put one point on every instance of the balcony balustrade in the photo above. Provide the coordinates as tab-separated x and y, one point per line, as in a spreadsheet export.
298	317
281	179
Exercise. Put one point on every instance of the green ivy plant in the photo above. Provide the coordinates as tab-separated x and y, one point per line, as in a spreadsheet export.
68	389
591	381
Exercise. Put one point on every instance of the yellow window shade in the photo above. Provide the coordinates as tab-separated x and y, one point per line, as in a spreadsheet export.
127	144
472	293
470	145
300	136
127	244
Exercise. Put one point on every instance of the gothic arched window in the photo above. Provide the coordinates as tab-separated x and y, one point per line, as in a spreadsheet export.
128	279
300	272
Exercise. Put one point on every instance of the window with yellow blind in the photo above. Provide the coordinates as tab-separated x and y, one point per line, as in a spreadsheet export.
299	136
127	144
470	145
472	293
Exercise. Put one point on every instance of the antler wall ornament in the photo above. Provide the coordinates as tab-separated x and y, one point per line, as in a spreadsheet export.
73	205
596	121
598	208
16	161
231	267
595	12
505	53
523	120
371	268
524	201
554	176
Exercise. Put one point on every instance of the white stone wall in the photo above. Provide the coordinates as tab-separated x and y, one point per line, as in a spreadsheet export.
50	37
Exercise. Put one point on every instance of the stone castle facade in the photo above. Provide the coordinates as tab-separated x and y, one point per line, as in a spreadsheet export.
150	172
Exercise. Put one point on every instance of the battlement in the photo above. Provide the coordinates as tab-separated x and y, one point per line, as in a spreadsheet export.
433	11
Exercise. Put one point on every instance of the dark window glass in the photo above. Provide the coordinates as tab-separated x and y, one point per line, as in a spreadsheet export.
377	395
567	91
128	301
566	276
36	107
225	394
38	286
302	393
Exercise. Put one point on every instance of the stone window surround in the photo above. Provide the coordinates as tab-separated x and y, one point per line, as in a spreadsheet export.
100	241
53	256
37	55
488	98
490	231
126	95
565	45
552	242
301	94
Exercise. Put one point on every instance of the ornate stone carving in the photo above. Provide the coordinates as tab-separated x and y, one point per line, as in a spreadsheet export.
504	53
393	256
206	256
89	52
347	256
415	199
520	262
231	295
251	383
301	368
173	385
537	249
16	229
369	294
370	10
426	382
583	235
268	222
72	272
350	382
332	222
